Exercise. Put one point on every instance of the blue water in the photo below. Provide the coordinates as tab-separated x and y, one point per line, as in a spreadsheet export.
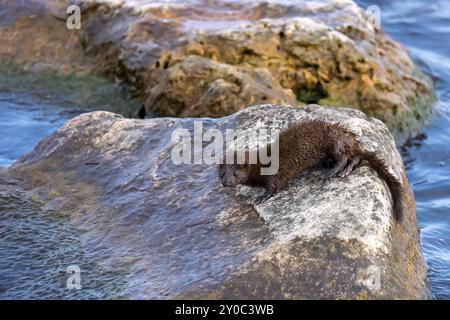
24	121
424	27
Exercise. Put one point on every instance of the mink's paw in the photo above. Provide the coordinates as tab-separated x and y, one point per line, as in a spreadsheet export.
349	168
345	173
263	198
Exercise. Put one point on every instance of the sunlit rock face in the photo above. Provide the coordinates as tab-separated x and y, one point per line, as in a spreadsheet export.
213	58
144	227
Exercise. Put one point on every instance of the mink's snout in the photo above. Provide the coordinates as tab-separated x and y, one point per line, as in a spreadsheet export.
229	176
228	180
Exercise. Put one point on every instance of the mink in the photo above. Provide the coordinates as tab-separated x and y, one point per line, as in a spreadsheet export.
311	145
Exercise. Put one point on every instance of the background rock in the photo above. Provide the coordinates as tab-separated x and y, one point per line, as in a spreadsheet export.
34	36
238	54
173	231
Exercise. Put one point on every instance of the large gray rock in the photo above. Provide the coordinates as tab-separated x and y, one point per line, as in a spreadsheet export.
173	231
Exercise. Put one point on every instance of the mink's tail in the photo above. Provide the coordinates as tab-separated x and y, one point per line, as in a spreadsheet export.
395	186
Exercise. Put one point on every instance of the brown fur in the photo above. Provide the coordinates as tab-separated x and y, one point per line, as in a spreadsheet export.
311	145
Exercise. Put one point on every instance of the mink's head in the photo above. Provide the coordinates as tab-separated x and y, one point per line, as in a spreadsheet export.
233	174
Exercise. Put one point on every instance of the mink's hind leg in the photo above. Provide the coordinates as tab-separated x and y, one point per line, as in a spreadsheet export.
328	163
350	165
338	169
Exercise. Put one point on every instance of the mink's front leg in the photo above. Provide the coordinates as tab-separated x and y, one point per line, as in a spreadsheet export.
274	184
264	197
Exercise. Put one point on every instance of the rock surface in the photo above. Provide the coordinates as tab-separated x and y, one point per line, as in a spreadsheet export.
213	58
173	231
